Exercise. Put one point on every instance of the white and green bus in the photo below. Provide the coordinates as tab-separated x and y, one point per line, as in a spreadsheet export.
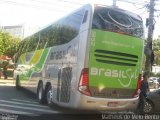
90	59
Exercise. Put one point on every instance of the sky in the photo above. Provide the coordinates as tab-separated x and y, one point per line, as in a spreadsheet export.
36	14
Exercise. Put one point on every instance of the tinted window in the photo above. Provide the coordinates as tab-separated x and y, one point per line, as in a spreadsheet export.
74	20
33	42
117	21
59	33
20	50
25	46
85	17
65	30
47	35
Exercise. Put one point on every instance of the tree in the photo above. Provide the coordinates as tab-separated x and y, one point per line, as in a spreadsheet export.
8	44
156	49
156	44
8	47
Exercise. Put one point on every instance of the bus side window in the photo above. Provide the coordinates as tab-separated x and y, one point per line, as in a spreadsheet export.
85	17
18	54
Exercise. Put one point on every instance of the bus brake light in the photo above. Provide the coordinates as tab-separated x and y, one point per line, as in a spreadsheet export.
83	85
136	93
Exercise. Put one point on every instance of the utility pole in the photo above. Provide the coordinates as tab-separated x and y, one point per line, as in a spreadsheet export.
148	49
114	3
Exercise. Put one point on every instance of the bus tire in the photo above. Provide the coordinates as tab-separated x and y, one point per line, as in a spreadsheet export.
49	95
40	93
17	83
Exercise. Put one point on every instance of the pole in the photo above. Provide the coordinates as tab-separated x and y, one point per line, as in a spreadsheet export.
114	2
148	64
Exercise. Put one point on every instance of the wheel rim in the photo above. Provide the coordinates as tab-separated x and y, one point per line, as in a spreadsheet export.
40	93
49	96
148	107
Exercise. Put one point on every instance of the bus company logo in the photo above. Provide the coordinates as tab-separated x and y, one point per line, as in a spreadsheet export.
121	75
93	38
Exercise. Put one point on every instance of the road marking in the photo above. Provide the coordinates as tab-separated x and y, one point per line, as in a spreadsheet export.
7	85
15	112
27	101
18	103
29	108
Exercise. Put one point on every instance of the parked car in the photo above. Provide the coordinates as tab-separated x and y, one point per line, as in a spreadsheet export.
153	102
153	82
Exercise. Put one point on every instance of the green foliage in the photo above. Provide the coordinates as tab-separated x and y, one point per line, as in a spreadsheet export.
156	44
8	44
154	74
157	57
156	49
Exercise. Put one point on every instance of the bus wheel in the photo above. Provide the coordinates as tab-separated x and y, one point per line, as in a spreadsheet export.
49	95
17	83
40	93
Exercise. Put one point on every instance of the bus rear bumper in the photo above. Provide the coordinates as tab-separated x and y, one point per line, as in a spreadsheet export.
105	104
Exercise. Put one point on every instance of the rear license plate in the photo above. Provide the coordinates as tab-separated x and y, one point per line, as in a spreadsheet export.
112	104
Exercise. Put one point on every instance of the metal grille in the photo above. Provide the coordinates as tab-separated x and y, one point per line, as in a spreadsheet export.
116	58
66	83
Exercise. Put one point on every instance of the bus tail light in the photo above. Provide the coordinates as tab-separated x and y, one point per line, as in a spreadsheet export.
136	93
83	85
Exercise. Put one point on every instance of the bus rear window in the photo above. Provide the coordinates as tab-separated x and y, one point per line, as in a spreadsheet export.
117	21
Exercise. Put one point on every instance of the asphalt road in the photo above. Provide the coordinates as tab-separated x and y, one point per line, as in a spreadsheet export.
23	105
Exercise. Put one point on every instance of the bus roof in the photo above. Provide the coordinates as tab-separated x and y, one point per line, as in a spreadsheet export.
115	8
92	6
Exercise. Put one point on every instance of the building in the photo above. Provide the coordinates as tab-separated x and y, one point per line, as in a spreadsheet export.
156	69
20	31
16	30
29	30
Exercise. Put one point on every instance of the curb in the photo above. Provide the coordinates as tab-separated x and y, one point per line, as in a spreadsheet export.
7	81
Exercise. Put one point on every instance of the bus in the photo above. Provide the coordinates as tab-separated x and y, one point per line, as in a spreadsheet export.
90	60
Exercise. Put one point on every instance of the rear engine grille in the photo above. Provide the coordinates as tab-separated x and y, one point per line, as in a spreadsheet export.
116	58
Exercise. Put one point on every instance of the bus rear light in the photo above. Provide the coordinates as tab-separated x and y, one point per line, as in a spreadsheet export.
83	85
136	93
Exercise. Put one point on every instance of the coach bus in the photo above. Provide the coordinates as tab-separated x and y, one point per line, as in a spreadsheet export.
91	59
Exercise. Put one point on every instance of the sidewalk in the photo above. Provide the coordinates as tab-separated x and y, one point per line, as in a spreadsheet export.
8	81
